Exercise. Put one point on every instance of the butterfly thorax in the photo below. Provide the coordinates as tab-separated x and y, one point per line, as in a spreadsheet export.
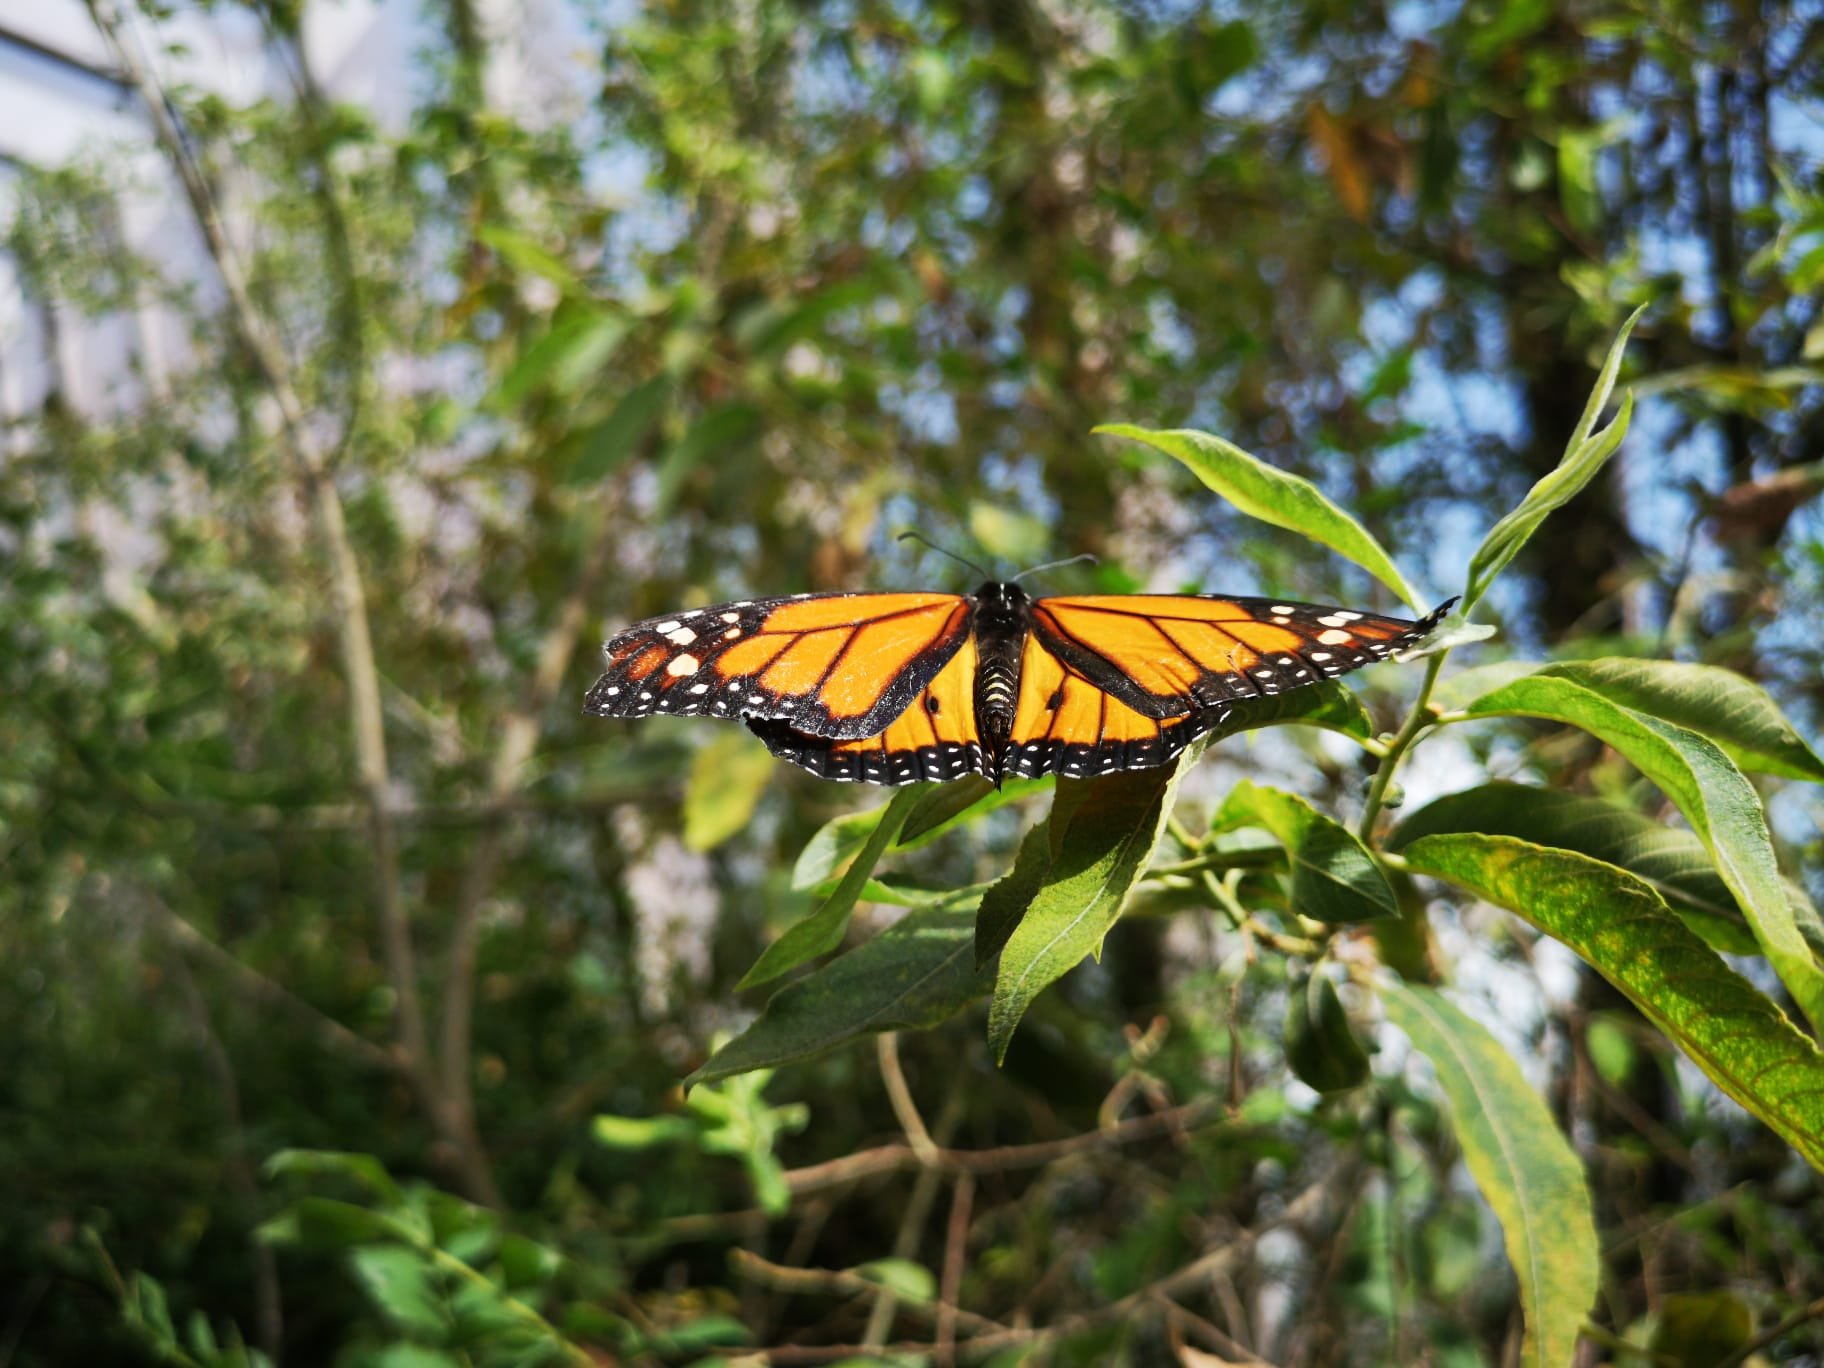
1002	618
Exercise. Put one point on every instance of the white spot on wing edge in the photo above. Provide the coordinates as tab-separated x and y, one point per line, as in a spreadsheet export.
667	627
683	665
1335	637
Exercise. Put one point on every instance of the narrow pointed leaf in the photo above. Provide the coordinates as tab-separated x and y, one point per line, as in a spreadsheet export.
1273	496
1671	860
1103	833
822	930
1334	878
1736	713
1623	929
1719	803
1331	705
918	972
1521	1162
1586	453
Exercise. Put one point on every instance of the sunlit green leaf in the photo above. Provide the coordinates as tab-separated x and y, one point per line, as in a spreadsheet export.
1112	831
1622	928
1521	1162
1670	859
1586	453
527	255
727	778
1736	713
1334	878
403	1284
1273	496
1721	806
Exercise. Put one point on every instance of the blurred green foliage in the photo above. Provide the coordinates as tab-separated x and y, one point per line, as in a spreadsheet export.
766	284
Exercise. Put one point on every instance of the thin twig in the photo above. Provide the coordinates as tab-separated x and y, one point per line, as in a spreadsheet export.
950	1278
1417	721
360	670
924	1189
842	1283
1301	1210
273	995
883	1159
894	1078
1226	1344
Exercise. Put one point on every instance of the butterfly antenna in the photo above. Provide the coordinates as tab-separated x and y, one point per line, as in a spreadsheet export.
913	534
1056	565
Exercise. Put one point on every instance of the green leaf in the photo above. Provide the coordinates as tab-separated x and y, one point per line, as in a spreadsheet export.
1721	806
1577	190
1458	689
1331	705
1007	899
153	1311
1320	1046
403	1284
640	1132
1670	860
1273	496
721	434
950	805
822	929
1334	878
325	1224
1736	713
1098	851
362	1169
527	255
1700	1329
405	1355
1624	930
1523	1165
575	346
727	777
610	442
527	1263
1585	454
905	1279
918	972
835	843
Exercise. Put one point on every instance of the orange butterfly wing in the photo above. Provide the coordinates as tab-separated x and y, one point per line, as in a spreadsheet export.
838	666
1173	655
935	738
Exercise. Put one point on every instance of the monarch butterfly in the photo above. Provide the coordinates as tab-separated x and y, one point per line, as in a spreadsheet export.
894	688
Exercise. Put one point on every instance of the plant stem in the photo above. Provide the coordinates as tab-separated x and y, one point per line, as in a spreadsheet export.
1416	722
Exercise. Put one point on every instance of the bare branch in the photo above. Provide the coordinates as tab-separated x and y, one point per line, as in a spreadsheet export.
897	1158
268	994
